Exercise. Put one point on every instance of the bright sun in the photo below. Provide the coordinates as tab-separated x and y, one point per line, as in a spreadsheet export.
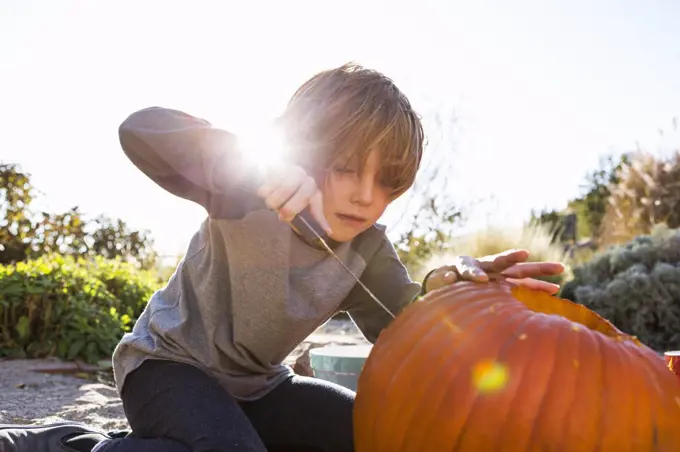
262	145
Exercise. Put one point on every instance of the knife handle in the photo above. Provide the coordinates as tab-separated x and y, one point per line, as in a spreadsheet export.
311	235
316	231
304	223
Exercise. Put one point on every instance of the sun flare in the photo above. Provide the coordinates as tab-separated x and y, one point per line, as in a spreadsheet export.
262	146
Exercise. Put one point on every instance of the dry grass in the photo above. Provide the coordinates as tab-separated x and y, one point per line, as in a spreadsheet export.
647	194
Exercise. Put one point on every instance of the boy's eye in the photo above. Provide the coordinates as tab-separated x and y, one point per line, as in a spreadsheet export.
345	170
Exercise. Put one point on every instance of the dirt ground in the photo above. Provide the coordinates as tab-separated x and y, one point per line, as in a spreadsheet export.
28	395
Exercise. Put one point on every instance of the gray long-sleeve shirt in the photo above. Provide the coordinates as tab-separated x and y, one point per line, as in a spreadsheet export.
248	290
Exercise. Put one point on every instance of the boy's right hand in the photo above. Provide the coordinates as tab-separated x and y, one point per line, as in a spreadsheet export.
289	190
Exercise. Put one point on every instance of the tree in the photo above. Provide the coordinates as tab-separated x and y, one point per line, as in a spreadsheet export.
429	234
16	230
432	211
589	209
25	234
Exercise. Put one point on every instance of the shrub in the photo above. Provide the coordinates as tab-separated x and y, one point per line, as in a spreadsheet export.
636	286
70	308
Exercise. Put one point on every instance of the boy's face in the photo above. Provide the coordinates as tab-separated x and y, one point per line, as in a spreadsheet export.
354	203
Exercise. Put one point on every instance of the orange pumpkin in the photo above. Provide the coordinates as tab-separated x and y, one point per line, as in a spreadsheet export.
493	367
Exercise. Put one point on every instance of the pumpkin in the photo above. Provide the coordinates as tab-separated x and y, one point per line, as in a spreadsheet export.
495	367
673	361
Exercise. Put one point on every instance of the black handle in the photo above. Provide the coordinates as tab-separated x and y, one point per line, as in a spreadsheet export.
316	229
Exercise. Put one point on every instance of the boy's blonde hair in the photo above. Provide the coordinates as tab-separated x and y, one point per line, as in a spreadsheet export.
344	113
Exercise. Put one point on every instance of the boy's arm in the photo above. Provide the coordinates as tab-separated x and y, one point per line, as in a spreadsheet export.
185	155
387	277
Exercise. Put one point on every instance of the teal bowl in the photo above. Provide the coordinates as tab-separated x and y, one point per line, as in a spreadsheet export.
339	364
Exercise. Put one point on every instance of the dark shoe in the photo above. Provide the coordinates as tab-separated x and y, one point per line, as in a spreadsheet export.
48	438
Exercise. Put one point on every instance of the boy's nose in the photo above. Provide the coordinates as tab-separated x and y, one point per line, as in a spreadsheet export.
364	192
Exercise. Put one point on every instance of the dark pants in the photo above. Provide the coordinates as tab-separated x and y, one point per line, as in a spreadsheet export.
174	407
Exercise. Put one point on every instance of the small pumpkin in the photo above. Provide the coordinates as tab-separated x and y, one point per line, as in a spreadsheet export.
494	367
673	361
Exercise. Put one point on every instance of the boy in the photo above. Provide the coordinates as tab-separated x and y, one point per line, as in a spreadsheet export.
202	369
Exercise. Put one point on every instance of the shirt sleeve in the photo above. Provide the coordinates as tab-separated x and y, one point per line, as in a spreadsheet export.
187	156
387	277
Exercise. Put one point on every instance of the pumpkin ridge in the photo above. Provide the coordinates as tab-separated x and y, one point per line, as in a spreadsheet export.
464	365
388	336
543	404
396	343
451	305
574	381
645	414
581	424
624	402
652	403
430	381
514	337
423	360
643	405
518	374
529	389
665	402
598	340
608	433
396	379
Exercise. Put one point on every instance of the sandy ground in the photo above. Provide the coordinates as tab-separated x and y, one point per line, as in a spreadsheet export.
31	397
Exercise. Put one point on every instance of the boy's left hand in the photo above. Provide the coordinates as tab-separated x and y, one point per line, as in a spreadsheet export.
509	264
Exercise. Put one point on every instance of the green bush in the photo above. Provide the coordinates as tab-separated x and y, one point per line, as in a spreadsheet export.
636	286
70	308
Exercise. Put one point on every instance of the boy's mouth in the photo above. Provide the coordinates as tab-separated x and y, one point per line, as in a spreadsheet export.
351	219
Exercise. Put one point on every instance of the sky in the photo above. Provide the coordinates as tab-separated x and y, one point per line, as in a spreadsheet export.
539	89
